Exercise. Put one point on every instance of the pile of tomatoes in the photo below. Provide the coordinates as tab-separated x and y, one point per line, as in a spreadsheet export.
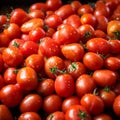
60	61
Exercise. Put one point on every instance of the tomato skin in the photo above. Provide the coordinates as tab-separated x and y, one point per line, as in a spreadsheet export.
75	113
29	115
31	103
1	63
2	82
92	102
5	113
116	106
52	103
69	101
27	78
93	61
3	20
58	115
12	56
100	34
64	85
104	77
11	95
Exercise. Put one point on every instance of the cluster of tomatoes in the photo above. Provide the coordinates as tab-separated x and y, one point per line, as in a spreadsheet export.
60	61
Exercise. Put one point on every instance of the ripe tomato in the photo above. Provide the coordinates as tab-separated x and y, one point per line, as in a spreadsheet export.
2	82
64	85
69	101
93	61
11	95
58	115
77	112
5	113
54	66
1	63
116	105
9	75
100	34
92	102
48	47
27	78
84	84
12	56
52	103
73	51
31	103
29	116
46	87
104	77
3	21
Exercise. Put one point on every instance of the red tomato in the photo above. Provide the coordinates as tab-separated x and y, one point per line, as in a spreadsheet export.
58	115
3	21
73	51
77	112
69	101
5	113
93	61
27	78
2	82
104	77
48	47
12	56
116	105
92	102
11	95
9	75
64	85
54	66
67	34
35	61
29	116
84	84
1	63
31	103
46	87
52	103
100	34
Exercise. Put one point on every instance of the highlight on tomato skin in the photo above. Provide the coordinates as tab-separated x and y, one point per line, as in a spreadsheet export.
60	60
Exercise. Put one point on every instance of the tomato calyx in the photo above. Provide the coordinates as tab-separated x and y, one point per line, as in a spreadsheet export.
15	44
116	34
15	71
87	35
81	114
95	91
107	89
51	116
73	67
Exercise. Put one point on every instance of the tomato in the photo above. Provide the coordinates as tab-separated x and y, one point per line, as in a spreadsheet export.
58	115
112	63
12	56
69	101
64	11
46	87
1	63
77	112
53	4
9	75
18	16
54	66
25	36
92	102
67	34
27	78
102	116
5	113
100	34
84	84
49	31
116	88
88	18
30	116
52	103
64	85
2	82
31	103
93	61
11	95
36	34
113	29
76	69
116	105
104	77
98	45
107	96
29	48
86	32
35	61
27	26
48	47
73	51
53	21
3	20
